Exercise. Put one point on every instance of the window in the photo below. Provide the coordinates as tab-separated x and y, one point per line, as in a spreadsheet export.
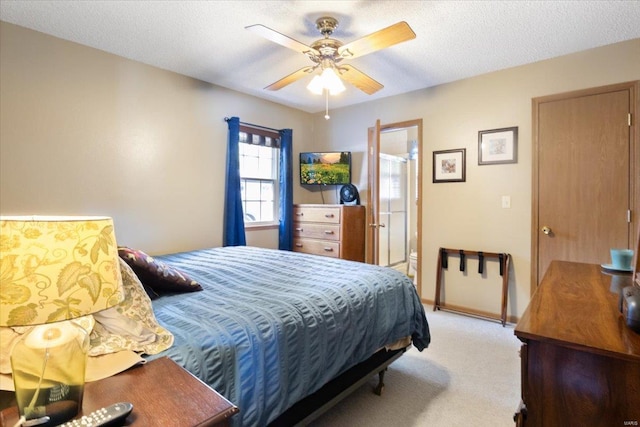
259	176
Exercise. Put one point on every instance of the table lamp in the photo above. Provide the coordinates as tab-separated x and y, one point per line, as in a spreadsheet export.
53	269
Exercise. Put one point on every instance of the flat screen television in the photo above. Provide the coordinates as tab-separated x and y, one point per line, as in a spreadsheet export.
329	168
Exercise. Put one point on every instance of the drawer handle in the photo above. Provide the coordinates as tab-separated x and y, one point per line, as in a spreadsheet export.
329	215
298	245
299	229
299	213
328	231
328	249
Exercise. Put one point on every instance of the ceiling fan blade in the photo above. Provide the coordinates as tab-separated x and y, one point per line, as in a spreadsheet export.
281	39
296	75
359	79
396	33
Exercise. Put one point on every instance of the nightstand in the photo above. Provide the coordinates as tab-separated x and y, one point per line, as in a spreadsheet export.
162	394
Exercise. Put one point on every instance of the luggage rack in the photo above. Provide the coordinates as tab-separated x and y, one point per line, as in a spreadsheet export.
443	263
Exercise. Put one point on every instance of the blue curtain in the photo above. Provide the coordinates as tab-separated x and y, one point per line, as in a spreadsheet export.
233	216
285	235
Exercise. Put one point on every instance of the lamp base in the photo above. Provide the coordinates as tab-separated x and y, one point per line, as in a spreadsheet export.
48	368
52	414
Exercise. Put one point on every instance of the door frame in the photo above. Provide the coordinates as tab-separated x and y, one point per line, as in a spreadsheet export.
634	156
373	190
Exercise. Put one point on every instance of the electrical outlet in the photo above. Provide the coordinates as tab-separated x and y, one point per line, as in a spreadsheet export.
506	202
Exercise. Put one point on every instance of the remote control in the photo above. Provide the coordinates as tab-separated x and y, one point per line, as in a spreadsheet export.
112	415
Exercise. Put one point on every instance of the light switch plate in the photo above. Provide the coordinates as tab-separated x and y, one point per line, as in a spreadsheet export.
506	202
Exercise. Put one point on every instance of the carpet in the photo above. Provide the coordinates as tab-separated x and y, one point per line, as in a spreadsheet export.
468	376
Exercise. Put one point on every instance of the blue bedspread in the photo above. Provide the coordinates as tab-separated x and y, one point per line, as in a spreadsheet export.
271	327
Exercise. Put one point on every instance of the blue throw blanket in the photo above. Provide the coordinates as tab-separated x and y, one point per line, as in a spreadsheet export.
271	327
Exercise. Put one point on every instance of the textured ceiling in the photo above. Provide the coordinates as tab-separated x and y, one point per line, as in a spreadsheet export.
454	39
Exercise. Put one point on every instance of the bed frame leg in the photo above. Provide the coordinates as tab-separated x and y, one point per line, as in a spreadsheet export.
380	386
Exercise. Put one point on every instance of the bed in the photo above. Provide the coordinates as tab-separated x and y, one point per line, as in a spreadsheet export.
270	328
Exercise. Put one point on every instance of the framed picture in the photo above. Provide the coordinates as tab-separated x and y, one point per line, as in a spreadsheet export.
449	165
498	146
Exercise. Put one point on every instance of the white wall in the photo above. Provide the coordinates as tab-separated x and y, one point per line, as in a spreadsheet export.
86	132
469	215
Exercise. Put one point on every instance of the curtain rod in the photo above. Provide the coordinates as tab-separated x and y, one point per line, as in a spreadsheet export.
226	119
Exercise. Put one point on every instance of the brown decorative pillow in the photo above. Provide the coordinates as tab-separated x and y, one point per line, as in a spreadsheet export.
156	276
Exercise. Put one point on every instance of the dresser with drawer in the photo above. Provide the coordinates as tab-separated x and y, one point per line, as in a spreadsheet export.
330	230
580	361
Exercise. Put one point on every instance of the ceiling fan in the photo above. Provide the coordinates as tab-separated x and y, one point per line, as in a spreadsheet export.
327	53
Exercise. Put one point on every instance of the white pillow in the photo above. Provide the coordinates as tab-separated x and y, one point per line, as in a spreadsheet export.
130	325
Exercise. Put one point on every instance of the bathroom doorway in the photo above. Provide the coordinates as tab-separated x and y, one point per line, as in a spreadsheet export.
394	211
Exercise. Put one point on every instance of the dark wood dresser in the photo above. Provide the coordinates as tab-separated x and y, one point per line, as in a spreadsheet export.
580	362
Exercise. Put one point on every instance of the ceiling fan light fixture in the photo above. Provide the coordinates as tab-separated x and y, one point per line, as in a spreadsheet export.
328	80
315	85
332	81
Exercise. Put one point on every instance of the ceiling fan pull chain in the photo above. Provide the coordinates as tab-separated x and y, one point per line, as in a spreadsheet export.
326	104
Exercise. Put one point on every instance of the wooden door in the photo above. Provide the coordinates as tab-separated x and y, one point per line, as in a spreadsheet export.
583	186
373	248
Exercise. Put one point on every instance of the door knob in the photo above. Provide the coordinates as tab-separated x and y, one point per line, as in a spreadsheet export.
546	230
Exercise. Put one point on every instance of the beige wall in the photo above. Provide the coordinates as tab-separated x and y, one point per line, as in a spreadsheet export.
469	215
86	132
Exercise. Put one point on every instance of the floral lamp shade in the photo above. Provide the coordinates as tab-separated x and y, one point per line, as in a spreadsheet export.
56	268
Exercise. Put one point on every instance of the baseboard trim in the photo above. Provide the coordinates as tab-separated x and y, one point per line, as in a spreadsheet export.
485	315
